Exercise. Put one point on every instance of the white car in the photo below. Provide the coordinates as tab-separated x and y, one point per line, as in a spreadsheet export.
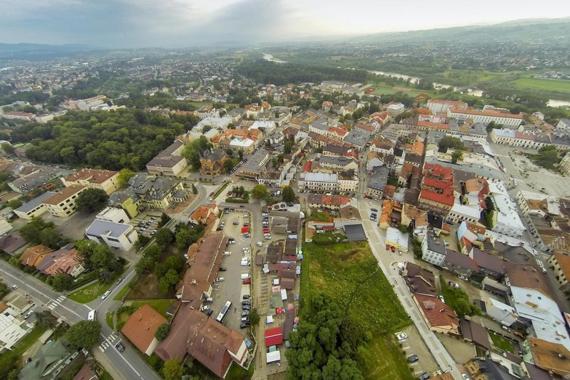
227	253
401	336
219	279
259	243
105	294
244	262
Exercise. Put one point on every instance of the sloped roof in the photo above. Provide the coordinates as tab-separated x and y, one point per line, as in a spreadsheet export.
141	327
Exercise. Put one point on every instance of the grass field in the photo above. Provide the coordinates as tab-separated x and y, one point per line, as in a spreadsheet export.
90	292
160	305
339	271
562	86
501	343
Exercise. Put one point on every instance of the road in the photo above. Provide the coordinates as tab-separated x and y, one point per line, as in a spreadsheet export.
385	259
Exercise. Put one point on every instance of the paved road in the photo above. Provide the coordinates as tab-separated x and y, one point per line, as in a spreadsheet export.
385	260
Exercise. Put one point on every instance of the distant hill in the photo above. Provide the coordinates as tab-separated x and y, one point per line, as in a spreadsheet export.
533	31
39	51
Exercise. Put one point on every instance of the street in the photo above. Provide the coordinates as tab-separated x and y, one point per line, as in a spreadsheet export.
385	259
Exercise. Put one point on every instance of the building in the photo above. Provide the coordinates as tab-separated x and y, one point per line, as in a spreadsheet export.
35	207
169	161
560	264
255	165
319	182
212	162
486	116
106	180
506	219
12	329
551	357
140	329
437	192
434	249
460	264
396	241
65	260
441	105
376	182
205	214
111	227
512	137
504	314
439	317
338	163
419	280
157	192
63	203
51	358
565	164
212	344
329	202
33	256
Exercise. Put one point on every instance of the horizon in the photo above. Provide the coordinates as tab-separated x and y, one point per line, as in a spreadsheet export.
116	24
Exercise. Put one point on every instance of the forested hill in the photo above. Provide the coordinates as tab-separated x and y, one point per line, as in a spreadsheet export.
544	32
109	140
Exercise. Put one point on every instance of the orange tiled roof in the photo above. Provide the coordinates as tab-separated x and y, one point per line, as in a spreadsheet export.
141	327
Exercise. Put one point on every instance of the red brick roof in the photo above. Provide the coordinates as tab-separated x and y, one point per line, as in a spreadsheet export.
436	312
141	327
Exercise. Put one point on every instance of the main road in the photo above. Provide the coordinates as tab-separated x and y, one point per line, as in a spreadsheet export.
385	260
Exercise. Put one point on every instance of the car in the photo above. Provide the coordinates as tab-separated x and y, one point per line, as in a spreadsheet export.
245	297
246	302
235	223
120	347
259	243
401	336
245	313
105	294
14	286
424	376
245	319
227	253
243	325
222	269
219	279
413	358
441	298
246	281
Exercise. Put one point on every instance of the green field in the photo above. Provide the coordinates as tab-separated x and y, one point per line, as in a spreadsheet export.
342	270
562	86
90	292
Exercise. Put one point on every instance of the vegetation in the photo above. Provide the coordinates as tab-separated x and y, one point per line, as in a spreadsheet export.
268	72
458	300
194	151
89	292
84	334
100	258
92	200
260	192
10	361
37	231
319	216
111	140
449	142
349	275
457	155
172	370
548	157
4	290
162	331
124	176
501	343
288	194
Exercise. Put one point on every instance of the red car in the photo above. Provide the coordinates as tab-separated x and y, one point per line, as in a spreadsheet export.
246	281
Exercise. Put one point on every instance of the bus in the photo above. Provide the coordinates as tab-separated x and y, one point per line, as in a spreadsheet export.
91	315
224	311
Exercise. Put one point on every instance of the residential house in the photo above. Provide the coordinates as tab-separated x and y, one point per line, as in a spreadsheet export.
140	329
169	161
437	188
50	359
489	265
377	181
419	280
434	249
111	227
460	264
212	162
212	344
12	243
441	105
255	165
12	328
439	316
414	218
157	192
106	180
33	256
475	333
338	163
319	182
396	240
66	260
205	214
504	314
63	203
329	202
550	356
35	207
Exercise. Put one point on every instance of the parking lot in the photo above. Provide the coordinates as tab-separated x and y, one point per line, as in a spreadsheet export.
146	224
414	345
231	287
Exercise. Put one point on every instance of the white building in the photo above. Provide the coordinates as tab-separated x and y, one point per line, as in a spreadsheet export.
434	250
507	221
111	226
486	116
35	207
502	313
11	330
319	182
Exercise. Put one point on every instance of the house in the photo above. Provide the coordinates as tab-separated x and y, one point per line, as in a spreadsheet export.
415	218
212	344
11	243
63	203
550	356
12	329
319	182
140	329
532	298
437	188
377	181
504	314
460	264
488	264
106	180
434	249
204	260
33	256
35	207
439	316
338	163
205	214
212	162
111	227
560	264
475	333
169	161
65	260
419	280
127	200
50	359
329	202
157	192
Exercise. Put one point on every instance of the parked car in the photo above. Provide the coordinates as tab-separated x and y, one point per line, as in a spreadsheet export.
105	294
244	313
412	358
222	269
246	297
247	281
424	376
401	336
219	279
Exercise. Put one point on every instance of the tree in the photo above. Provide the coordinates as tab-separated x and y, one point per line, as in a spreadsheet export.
168	281
254	317
162	331
164	237
84	334
260	192
449	142
124	175
40	232
172	370
61	282
45	319
14	204
4	290
92	200
288	194
8	148
456	156
163	219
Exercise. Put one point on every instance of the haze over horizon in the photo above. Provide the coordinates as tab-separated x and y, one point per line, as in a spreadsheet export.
180	23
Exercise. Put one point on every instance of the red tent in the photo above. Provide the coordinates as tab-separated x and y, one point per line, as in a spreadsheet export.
245	229
273	336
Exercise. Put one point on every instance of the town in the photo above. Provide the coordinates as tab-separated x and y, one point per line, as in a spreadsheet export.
166	216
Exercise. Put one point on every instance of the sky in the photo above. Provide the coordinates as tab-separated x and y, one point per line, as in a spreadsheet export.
180	23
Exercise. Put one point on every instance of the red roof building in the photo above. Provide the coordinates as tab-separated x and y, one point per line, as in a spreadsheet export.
273	336
437	188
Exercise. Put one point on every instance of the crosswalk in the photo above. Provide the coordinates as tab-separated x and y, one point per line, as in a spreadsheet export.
56	302
108	342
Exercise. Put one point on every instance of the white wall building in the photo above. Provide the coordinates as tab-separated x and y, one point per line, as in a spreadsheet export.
504	314
11	330
111	226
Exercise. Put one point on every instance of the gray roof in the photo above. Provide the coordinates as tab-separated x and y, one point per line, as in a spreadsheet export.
358	137
436	244
30	205
103	227
378	178
335	161
354	232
